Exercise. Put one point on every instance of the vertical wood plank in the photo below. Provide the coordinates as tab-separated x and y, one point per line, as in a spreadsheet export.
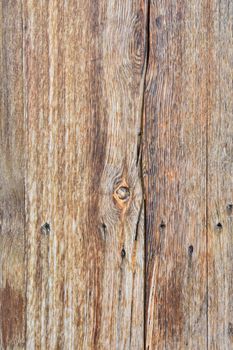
12	285
220	176
175	184
84	70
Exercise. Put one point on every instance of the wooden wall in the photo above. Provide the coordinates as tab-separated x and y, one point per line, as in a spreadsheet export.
116	174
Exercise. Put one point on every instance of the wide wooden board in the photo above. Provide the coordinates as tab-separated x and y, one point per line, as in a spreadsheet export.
175	158
84	76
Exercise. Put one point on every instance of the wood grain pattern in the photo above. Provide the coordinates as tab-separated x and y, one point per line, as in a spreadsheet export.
84	84
116	174
175	184
12	271
220	176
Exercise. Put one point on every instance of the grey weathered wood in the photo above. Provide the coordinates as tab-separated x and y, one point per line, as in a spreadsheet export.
220	175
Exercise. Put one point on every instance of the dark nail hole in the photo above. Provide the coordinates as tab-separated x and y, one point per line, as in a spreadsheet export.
123	253
162	225
190	250
123	193
230	329
229	208
103	230
45	228
158	21
104	226
219	226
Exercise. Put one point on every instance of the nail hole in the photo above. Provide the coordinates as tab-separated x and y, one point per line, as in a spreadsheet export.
104	226
123	253
162	225
219	226
123	193
103	230
229	208
230	329
158	21
45	228
190	250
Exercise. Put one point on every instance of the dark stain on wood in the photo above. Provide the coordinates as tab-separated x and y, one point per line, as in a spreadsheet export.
11	316
174	306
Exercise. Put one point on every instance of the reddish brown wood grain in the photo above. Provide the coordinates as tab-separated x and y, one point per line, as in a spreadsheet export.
175	183
12	170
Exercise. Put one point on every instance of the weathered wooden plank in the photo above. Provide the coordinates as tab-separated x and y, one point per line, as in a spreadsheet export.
12	285
220	176
84	82
175	180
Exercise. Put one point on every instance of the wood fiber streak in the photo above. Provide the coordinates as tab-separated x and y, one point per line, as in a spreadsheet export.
83	99
220	176
12	285
175	175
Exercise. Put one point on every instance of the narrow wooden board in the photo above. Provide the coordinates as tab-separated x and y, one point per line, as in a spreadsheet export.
220	176
84	70
12	272
175	175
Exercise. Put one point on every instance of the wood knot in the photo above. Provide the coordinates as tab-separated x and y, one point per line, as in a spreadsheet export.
122	194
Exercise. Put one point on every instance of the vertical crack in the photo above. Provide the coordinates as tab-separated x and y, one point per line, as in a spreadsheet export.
139	161
143	81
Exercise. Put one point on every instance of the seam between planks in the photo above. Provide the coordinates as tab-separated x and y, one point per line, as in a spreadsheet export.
141	143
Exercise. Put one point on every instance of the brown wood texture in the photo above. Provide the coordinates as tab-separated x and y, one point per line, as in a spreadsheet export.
84	86
116	174
176	108
12	268
220	176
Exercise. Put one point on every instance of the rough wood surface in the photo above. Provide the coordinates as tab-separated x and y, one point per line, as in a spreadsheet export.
84	83
12	286
116	174
175	182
